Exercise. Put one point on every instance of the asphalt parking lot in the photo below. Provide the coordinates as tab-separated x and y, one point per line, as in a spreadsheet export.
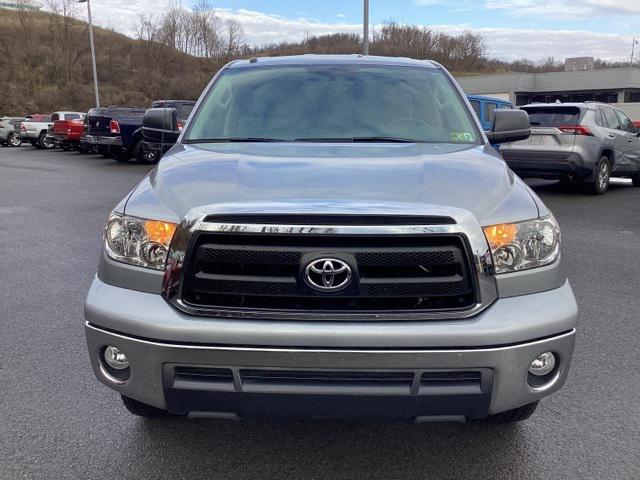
57	421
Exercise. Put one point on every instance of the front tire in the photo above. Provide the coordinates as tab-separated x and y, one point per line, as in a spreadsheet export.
636	180
143	410
14	141
511	416
602	176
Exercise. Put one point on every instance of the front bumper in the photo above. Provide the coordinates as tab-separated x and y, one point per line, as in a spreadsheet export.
499	342
155	378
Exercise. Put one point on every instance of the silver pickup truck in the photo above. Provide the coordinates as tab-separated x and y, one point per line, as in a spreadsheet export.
35	130
332	236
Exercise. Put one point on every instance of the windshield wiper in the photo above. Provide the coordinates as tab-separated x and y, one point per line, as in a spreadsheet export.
310	139
386	139
358	139
236	140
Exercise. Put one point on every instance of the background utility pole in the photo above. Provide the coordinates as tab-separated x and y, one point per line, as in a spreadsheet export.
93	52
365	34
633	49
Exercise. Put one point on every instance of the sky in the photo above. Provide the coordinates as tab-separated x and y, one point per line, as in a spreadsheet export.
513	29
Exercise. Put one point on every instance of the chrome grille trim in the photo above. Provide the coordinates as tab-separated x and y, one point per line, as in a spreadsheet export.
466	226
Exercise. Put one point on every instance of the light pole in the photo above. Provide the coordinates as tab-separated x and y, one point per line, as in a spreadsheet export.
365	34
93	52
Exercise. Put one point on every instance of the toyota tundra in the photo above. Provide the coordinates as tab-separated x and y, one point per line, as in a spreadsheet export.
332	236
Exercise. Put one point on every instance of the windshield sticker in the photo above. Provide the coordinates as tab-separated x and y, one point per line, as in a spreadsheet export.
461	137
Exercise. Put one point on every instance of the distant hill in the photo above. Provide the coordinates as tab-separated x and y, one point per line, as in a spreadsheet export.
45	65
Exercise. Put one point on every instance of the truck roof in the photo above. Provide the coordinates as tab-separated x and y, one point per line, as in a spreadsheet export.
489	99
186	102
313	59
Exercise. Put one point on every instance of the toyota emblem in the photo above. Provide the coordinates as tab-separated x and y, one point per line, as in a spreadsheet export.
327	274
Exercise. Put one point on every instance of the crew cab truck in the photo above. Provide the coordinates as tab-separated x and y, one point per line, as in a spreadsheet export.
34	130
333	236
67	133
116	131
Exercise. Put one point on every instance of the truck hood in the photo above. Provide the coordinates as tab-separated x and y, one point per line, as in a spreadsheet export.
325	178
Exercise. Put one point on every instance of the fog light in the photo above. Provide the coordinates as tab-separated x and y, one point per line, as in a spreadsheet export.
542	364
115	358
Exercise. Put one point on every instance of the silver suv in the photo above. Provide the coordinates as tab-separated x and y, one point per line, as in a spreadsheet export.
332	236
7	131
580	142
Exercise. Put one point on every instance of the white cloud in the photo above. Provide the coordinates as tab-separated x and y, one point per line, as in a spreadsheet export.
263	28
562	9
506	43
121	15
513	44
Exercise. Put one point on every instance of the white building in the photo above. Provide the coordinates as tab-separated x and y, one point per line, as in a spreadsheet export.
620	86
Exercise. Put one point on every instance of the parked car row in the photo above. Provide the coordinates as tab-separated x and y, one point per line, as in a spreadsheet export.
112	131
584	143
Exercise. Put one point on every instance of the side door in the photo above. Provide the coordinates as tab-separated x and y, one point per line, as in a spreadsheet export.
617	137
632	151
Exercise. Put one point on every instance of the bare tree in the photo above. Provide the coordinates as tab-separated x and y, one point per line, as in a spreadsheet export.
146	28
234	36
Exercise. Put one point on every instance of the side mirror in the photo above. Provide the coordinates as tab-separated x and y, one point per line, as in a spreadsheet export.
509	126
160	125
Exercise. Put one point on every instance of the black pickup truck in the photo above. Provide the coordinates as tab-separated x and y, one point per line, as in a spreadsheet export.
115	131
118	130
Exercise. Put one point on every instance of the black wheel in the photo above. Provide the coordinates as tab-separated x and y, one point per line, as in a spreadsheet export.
143	154
601	177
510	416
13	140
34	143
104	150
636	180
44	143
143	410
120	154
65	146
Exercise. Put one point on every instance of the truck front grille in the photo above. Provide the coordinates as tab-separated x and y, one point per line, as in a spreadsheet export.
266	271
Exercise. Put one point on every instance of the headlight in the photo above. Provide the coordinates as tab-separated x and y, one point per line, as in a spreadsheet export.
522	245
138	241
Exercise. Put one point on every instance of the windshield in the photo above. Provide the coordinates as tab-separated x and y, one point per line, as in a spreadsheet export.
333	103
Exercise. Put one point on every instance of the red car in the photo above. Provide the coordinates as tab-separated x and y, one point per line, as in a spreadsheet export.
637	124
